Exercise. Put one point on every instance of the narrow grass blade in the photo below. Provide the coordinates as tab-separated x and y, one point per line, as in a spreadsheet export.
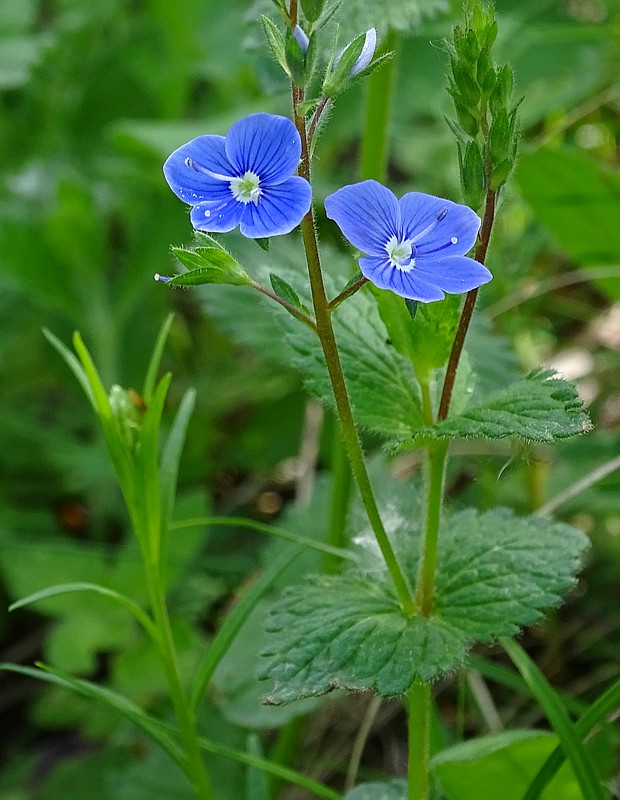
66	588
164	737
233	622
72	362
256	784
601	708
581	762
171	455
153	368
270	530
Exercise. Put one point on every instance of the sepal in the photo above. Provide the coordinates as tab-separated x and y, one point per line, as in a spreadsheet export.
210	264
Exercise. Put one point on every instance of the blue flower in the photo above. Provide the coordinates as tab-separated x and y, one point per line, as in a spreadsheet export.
245	178
414	246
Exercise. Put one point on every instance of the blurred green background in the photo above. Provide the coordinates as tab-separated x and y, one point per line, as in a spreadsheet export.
94	95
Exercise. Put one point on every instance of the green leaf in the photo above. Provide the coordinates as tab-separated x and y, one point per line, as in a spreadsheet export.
496	573
155	361
580	759
208	265
67	588
390	790
275	40
604	705
73	364
286	291
538	408
120	704
572	196
171	456
383	390
234	621
256	787
474	769
426	339
382	387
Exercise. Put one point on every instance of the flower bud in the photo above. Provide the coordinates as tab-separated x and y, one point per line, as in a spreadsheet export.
301	38
472	175
366	53
467	120
312	9
501	173
355	57
465	83
499	137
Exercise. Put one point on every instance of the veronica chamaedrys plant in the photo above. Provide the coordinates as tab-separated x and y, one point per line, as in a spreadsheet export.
415	246
243	179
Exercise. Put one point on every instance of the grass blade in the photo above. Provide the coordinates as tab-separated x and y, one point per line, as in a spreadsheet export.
153	368
581	762
270	530
233	622
601	708
65	588
164	737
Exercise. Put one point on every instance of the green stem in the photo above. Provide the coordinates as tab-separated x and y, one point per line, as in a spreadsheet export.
419	697
342	484
195	767
293	310
427	403
374	143
436	468
332	358
468	308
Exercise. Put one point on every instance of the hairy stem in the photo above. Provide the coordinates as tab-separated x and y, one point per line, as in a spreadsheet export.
419	699
195	767
468	309
425	584
285	304
334	367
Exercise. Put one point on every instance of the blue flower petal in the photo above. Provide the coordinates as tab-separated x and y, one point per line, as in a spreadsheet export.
453	274
191	184
267	145
279	209
442	226
217	217
367	213
409	284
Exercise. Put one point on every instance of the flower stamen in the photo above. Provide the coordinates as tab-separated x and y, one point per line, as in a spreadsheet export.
401	254
246	189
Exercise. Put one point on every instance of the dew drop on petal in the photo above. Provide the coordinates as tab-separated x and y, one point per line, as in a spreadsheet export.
453	239
207	213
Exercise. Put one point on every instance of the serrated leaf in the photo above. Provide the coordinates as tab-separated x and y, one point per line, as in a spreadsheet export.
426	339
388	790
496	572
538	408
208	265
382	387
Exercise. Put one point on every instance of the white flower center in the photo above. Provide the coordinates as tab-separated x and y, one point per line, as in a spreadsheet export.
401	254
246	189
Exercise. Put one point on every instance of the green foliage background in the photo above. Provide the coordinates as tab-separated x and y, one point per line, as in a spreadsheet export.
94	95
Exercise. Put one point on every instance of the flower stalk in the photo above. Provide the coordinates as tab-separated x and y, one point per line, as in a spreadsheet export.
330	350
468	308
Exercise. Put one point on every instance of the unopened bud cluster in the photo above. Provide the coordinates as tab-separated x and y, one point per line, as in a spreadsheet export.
296	49
486	122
